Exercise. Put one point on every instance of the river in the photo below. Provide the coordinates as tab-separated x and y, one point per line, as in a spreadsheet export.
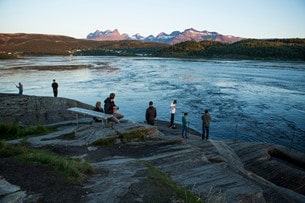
249	100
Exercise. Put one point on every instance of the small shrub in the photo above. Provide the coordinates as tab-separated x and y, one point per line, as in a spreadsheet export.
7	130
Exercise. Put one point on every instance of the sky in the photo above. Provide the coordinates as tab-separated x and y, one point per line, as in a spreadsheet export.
259	19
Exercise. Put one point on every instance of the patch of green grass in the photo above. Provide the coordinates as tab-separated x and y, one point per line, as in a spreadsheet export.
105	141
9	131
139	134
161	180
7	150
73	170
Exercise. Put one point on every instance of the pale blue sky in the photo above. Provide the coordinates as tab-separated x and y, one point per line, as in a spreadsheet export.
77	18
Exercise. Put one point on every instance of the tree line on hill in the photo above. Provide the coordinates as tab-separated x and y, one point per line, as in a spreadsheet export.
280	49
16	45
286	49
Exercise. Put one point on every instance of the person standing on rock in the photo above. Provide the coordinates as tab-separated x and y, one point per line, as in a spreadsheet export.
111	108
151	114
206	120
173	111
55	88
184	125
20	87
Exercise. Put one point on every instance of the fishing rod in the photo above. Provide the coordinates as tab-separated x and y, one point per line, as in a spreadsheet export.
13	82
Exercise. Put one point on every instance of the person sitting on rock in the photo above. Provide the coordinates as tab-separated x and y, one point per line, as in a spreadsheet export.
111	108
99	109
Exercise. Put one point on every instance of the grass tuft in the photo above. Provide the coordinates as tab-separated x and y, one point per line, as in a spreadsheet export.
139	134
105	141
10	131
160	179
74	170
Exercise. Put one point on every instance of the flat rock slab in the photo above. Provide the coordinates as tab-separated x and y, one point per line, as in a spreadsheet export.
212	170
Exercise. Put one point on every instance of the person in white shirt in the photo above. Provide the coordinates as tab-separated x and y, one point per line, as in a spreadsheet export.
173	111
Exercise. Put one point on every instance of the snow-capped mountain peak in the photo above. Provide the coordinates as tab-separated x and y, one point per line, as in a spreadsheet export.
190	34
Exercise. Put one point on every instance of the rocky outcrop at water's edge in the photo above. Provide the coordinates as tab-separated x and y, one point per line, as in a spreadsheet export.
215	171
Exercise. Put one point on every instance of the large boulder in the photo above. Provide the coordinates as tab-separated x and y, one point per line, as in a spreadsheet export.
32	110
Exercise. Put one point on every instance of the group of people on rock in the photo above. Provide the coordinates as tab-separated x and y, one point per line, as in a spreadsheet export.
151	114
54	86
206	120
109	108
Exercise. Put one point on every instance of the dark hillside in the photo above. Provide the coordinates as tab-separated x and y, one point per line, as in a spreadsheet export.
38	44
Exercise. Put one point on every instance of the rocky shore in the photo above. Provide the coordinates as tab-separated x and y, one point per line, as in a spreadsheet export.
215	171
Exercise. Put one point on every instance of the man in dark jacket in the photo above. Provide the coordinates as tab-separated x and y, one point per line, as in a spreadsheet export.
206	120
111	108
151	114
55	88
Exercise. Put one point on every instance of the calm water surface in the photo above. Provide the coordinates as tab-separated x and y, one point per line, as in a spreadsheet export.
249	100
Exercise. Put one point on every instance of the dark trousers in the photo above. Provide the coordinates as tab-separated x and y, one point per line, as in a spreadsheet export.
55	93
172	119
151	121
184	131
205	132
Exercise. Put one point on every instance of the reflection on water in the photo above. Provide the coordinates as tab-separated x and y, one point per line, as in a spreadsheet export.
248	100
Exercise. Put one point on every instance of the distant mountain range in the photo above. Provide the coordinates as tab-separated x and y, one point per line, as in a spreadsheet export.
173	38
